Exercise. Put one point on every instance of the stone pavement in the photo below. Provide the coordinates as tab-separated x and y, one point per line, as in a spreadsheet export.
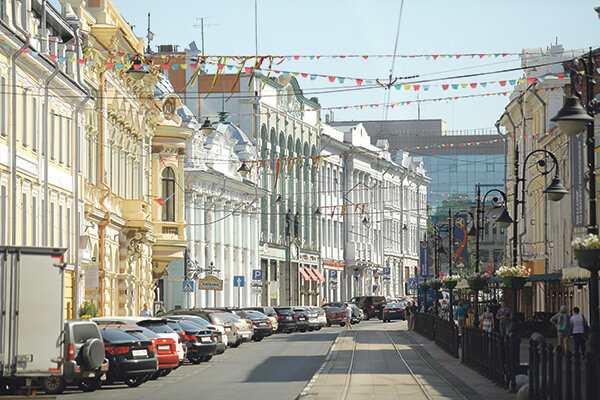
414	368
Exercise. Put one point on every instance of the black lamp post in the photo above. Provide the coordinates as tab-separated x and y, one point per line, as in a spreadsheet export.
572	119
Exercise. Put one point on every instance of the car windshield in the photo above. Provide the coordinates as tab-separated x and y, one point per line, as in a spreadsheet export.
146	332
336	309
175	326
284	311
116	335
83	332
269	311
394	305
235	318
136	334
189	326
255	314
159	328
220	318
196	320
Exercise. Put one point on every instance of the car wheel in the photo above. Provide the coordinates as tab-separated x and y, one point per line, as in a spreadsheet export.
90	384
318	328
207	358
342	325
236	344
310	329
53	384
288	331
135	381
257	338
367	317
328	324
196	360
165	372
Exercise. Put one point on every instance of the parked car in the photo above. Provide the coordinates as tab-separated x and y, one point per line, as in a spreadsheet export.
261	324
335	315
217	318
131	359
311	316
322	318
244	326
393	311
201	345
269	312
302	323
156	325
217	330
287	319
372	306
357	314
84	362
166	349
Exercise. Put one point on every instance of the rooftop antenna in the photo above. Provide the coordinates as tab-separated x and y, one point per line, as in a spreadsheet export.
200	24
150	36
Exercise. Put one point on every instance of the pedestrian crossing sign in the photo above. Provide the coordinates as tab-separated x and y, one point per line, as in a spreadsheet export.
188	286
412	284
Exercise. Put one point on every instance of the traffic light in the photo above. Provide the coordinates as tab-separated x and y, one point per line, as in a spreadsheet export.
297	225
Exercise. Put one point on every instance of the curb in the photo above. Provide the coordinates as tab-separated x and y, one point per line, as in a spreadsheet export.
312	381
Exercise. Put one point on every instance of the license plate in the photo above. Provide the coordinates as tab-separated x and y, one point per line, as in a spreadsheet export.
262	324
205	339
139	353
164	347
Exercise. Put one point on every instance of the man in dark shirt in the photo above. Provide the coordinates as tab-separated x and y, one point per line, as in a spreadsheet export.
413	309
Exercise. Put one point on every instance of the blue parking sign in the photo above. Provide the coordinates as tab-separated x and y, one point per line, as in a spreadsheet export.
387	271
257	275
333	274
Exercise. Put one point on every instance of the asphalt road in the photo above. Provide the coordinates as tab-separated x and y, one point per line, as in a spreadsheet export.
277	368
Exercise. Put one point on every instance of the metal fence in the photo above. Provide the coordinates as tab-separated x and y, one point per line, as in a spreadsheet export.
558	375
492	355
443	332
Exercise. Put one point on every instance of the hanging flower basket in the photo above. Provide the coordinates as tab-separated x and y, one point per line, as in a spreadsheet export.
436	284
450	284
514	282
588	258
477	281
425	286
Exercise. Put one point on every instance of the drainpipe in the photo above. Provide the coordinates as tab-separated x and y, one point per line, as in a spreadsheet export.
77	169
13	170
546	252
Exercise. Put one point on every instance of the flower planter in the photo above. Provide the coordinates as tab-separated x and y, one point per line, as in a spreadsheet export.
588	258
425	287
477	284
450	284
514	282
436	285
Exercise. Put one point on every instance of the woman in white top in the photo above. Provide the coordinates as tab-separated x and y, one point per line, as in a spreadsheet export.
348	317
578	323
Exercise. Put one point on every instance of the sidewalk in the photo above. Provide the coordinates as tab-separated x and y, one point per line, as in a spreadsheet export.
380	372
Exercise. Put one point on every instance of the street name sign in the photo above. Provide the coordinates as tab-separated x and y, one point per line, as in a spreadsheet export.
210	283
238	281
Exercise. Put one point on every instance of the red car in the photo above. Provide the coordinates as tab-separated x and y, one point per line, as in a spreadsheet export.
166	350
335	315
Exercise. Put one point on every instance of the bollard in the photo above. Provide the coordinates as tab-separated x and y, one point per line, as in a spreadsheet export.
544	354
558	387
569	376
577	375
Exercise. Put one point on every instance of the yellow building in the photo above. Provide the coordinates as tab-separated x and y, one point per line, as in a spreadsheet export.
133	156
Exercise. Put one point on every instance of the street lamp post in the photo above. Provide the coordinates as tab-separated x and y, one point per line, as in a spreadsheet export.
572	119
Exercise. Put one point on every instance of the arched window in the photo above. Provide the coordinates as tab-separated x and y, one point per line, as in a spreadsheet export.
168	193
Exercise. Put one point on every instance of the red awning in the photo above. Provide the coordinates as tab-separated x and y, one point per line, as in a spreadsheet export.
319	275
304	274
311	272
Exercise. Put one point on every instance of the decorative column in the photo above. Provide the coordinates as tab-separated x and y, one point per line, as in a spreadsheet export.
190	216
211	236
200	248
222	296
232	299
244	254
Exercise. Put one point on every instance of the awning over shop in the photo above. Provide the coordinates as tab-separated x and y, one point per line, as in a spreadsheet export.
555	276
319	275
575	273
311	273
304	274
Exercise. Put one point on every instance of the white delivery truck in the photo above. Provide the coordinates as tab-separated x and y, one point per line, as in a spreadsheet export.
31	314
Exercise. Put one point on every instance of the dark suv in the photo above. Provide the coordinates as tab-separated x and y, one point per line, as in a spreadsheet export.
287	319
83	361
372	306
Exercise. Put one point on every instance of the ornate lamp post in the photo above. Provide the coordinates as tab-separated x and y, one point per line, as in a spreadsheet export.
572	119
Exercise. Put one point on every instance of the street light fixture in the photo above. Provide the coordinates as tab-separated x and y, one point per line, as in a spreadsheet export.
504	220
137	70
556	191
207	127
572	118
243	169
279	200
318	212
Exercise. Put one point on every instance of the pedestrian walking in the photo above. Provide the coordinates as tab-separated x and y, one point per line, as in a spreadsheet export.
504	317
562	321
348	317
487	320
461	316
145	311
413	312
580	327
161	311
324	301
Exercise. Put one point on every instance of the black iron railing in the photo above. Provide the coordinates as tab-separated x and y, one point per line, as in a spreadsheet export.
446	335
492	355
424	325
555	374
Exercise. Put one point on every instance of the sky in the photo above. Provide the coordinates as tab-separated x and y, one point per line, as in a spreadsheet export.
339	27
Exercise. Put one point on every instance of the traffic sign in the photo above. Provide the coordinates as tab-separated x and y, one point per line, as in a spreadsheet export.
333	274
188	286
412	284
238	281
257	275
